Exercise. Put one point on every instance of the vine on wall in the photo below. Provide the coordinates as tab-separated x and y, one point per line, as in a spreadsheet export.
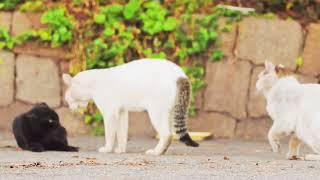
103	35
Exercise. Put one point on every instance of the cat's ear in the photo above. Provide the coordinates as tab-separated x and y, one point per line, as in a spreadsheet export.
43	104
268	66
67	79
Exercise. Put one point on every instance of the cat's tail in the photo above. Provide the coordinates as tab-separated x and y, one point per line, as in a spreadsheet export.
180	111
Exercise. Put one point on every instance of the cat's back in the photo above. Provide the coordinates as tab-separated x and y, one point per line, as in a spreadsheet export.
150	66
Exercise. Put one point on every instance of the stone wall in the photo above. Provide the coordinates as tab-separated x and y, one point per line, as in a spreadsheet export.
231	107
30	74
228	107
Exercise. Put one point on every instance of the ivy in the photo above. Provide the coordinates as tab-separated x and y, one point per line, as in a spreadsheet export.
59	29
8	4
111	34
6	41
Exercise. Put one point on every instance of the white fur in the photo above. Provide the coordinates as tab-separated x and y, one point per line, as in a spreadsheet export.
295	110
146	84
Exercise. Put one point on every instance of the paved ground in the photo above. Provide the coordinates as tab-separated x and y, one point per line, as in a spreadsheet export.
215	159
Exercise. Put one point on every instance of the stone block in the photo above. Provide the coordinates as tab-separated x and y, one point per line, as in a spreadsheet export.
38	80
311	52
220	125
278	41
6	77
227	88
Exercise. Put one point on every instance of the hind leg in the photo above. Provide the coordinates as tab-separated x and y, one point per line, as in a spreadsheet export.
294	146
162	125
122	132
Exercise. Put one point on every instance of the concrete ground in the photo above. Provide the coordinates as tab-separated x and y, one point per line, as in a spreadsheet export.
215	159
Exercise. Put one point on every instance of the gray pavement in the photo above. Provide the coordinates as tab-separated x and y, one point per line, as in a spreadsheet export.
214	159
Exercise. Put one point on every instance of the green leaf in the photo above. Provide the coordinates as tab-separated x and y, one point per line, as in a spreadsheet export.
115	8
108	32
131	8
45	34
99	18
170	24
88	119
2	45
217	55
299	61
213	35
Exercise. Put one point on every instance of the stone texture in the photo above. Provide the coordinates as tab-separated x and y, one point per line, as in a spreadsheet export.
6	77
278	41
254	129
221	126
38	80
5	20
73	122
8	114
140	125
311	52
199	99
64	68
257	102
306	79
24	22
36	49
226	40
227	87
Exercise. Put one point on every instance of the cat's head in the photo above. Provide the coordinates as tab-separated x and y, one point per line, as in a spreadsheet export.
267	77
42	116
77	94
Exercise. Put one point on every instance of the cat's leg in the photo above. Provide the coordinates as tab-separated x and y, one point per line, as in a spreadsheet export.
294	146
274	137
122	132
110	119
161	123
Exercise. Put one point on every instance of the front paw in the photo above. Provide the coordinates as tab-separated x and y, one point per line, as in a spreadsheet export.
290	156
275	147
119	150
153	152
105	149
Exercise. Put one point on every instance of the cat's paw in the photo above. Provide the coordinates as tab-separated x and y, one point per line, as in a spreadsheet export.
290	156
105	149
153	152
119	150
275	147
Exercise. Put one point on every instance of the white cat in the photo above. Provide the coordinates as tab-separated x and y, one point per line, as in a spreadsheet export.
295	110
158	86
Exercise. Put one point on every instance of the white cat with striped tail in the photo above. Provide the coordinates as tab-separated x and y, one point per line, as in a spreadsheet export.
294	109
158	86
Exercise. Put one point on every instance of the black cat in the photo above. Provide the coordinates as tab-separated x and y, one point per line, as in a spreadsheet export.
40	130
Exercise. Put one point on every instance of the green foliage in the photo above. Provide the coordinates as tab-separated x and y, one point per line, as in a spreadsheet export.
155	18
8	4
6	41
299	61
59	29
32	6
217	55
185	32
131	9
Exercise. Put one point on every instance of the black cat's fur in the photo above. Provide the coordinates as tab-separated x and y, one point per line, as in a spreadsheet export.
40	130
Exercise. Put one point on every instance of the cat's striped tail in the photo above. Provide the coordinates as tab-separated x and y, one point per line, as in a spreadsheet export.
180	111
